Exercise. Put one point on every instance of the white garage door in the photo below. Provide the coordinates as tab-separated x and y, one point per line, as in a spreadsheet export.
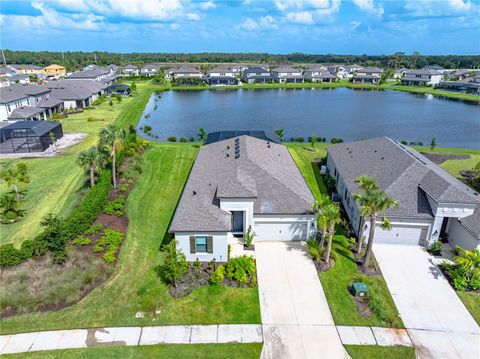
280	231
401	235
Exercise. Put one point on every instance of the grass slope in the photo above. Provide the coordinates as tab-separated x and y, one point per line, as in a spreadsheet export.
471	300
193	351
378	352
114	303
57	183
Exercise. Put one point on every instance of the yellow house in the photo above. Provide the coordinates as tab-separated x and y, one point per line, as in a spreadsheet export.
27	69
54	70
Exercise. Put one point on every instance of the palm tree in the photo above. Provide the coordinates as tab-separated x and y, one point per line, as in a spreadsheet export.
280	134
317	207
113	139
16	177
332	216
365	183
93	160
373	202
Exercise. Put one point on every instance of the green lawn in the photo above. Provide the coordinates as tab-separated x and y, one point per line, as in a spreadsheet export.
378	352
472	302
56	183
336	281
210	351
114	303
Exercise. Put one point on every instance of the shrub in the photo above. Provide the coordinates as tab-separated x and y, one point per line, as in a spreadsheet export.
240	276
115	207
314	249
172	139
123	187
217	276
240	269
183	139
297	139
174	265
10	256
436	248
94	229
249	236
336	140
81	241
147	129
465	273
191	139
97	248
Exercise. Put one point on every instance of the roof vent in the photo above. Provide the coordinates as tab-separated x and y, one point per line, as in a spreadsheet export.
383	158
268	146
228	147
375	151
194	192
227	155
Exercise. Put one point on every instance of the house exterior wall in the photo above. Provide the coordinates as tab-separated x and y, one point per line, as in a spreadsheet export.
240	204
8	108
220	246
303	218
459	236
70	104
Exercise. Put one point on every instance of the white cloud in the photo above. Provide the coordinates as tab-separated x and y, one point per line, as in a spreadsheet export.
300	17
207	5
460	5
431	8
264	23
369	7
355	24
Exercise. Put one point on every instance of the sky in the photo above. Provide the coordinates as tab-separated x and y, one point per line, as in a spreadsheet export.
433	27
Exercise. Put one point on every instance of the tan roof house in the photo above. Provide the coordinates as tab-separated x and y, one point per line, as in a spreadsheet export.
54	70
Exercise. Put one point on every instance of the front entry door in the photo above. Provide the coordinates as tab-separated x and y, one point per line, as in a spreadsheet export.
237	221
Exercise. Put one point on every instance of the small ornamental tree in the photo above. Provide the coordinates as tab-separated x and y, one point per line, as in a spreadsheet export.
433	144
17	177
202	135
174	265
280	134
249	237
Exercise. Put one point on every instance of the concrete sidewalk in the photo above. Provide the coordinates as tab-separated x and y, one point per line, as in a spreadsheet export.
83	338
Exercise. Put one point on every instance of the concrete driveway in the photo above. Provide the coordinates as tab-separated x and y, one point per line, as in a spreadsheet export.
296	319
437	320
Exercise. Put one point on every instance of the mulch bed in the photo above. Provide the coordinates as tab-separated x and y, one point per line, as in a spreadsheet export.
321	266
362	306
371	271
439	158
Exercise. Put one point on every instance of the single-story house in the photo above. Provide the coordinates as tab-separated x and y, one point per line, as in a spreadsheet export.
96	74
256	75
319	74
29	136
353	68
368	75
221	75
433	205
76	93
186	72
467	86
30	70
287	74
236	183
422	77
54	70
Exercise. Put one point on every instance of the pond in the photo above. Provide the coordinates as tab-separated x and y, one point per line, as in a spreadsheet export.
345	113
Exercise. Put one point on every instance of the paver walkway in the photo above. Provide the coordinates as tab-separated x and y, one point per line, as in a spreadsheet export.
296	319
83	338
438	323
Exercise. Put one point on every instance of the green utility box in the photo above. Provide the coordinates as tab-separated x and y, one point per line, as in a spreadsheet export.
359	289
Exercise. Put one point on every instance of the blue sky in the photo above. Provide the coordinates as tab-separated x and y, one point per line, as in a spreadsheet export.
314	26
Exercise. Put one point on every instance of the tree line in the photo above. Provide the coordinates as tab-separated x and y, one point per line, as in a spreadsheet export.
76	59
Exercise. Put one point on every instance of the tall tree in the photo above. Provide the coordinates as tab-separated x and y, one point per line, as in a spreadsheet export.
112	139
333	217
365	183
433	144
202	135
317	208
16	177
372	203
93	160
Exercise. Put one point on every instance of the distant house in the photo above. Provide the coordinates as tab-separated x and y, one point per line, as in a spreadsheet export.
433	205
469	85
30	70
22	102
130	70
400	73
423	77
76	93
221	75
95	74
287	74
54	70
241	181
7	71
186	72
149	70
29	136
435	68
353	68
319	74
256	75
371	75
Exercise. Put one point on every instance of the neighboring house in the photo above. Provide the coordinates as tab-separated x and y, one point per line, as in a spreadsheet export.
96	74
149	70
319	74
287	74
371	75
10	100
7	71
76	93
353	68
433	204
55	71
186	72
18	79
256	75
400	73
435	68
240	181
130	70
423	77
221	75
30	70
468	86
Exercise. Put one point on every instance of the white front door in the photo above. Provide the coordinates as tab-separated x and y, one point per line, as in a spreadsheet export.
401	234
280	231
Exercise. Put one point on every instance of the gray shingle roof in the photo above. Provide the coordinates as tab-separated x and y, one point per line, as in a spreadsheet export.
17	92
472	223
74	89
89	74
25	112
402	173
269	174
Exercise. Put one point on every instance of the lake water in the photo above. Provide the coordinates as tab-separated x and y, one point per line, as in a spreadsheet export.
345	113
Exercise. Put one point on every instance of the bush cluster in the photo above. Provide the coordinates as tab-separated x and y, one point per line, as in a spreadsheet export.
241	269
111	240
317	139
297	139
115	207
336	140
11	256
465	273
81	241
172	139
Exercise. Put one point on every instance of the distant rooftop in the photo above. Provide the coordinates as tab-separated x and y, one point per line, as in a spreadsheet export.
225	135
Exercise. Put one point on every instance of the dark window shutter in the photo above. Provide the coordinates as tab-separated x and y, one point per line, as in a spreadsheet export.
193	245
209	244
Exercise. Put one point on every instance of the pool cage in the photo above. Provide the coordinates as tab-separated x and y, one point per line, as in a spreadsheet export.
29	136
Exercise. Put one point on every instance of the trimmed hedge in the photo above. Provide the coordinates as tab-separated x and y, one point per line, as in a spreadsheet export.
74	225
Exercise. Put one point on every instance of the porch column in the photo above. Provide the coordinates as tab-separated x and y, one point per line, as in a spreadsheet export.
44	115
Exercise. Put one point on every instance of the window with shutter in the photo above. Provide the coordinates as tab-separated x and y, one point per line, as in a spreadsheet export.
209	244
